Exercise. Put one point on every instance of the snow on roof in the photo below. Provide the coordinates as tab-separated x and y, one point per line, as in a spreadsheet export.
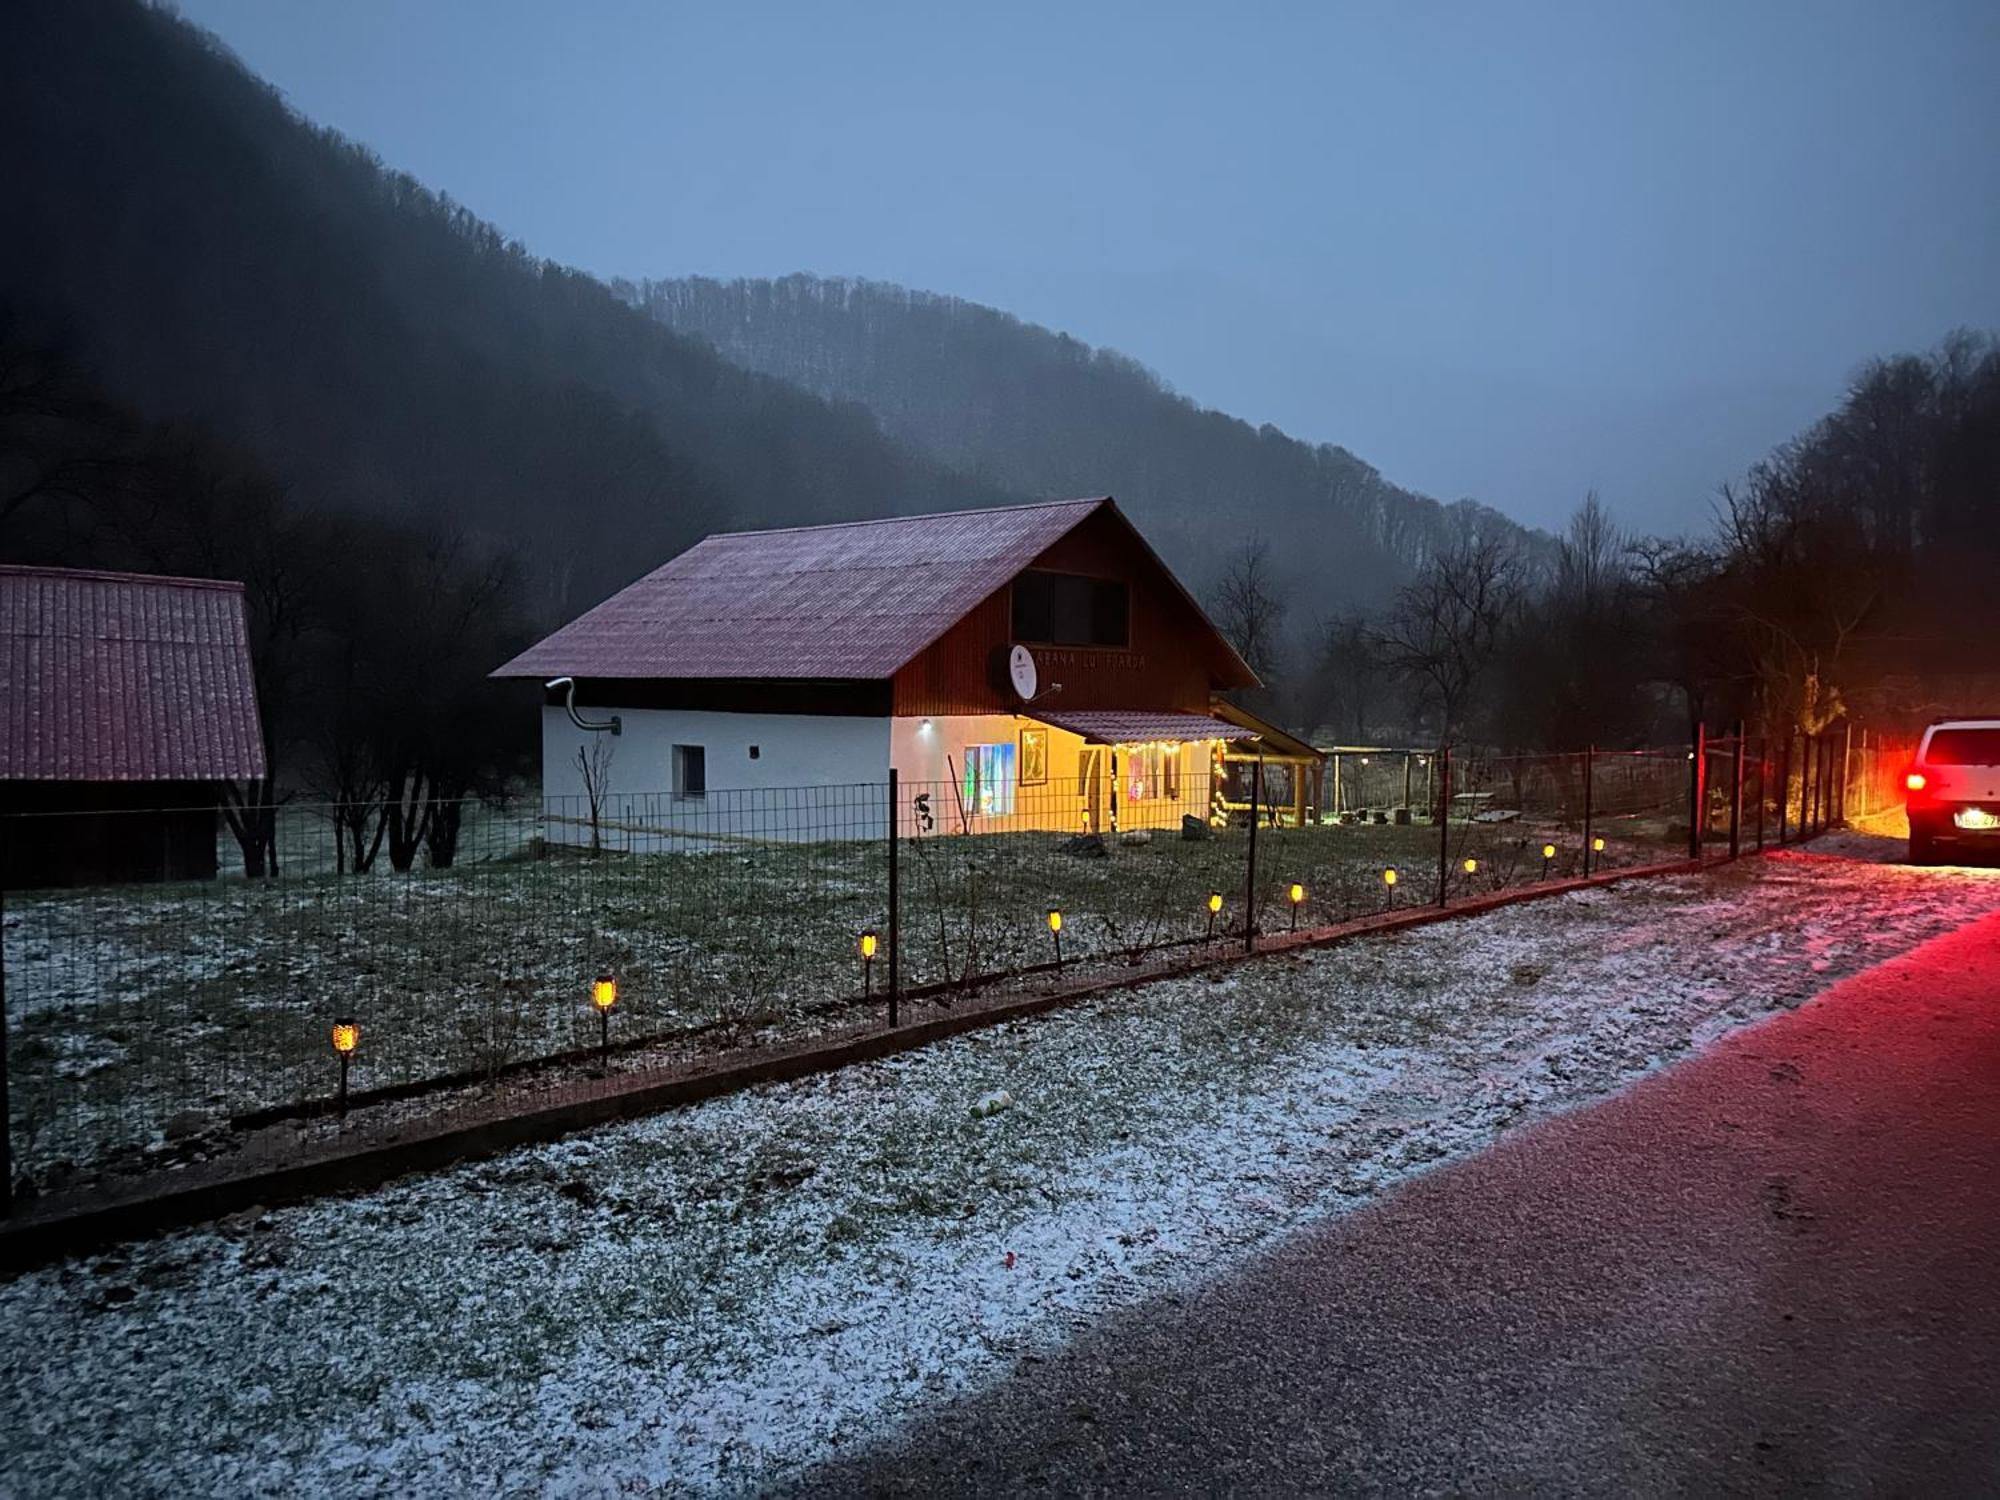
125	677
1142	726
853	601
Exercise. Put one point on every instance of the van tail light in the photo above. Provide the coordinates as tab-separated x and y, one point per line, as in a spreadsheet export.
1916	781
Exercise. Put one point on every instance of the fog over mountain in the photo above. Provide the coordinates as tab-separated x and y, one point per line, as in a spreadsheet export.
205	254
1021	408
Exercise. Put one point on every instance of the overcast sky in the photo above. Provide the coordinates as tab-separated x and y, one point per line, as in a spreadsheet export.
1504	250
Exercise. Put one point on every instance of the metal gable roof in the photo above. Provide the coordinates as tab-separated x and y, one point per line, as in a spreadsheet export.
125	677
849	602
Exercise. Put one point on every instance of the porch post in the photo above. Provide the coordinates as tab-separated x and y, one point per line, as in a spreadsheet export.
1250	864
895	952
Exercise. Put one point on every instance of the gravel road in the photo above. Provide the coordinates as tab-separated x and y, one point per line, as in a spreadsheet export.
1772	1268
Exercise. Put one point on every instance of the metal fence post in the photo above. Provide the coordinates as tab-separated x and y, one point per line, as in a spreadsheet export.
1250	862
1763	783
1736	794
895	948
1785	792
1443	804
1589	790
1846	771
1806	748
1697	788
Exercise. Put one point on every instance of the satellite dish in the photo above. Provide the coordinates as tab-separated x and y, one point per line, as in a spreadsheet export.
1021	672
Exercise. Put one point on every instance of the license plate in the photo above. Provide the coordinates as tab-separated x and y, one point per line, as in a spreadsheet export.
1975	818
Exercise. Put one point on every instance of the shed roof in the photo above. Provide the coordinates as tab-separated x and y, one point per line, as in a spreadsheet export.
125	677
853	601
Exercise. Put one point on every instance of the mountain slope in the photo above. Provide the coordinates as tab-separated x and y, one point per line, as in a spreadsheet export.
207	254
1007	403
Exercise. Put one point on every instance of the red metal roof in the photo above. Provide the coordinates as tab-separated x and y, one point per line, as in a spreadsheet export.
125	677
852	601
1112	726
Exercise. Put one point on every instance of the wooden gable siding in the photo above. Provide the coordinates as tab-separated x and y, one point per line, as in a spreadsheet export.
1166	666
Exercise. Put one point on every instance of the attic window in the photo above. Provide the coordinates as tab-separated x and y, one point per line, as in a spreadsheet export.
1063	609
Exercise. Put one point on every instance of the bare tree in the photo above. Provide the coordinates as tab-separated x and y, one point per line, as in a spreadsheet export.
593	765
1249	609
1446	625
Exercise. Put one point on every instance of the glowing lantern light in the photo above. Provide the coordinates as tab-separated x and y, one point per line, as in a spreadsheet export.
1297	895
1055	931
1597	846
868	945
346	1037
1214	910
1388	877
1472	867
1548	851
604	995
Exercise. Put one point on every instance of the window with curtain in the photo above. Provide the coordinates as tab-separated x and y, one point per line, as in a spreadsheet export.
989	780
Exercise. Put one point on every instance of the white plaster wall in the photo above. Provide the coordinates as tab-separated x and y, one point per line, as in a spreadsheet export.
814	776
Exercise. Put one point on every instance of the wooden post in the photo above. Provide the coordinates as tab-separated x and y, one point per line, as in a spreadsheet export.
895	966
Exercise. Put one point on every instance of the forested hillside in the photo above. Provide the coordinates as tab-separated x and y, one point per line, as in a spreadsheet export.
1013	405
201	252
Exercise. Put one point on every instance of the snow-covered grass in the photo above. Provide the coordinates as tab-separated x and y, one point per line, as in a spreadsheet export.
131	1006
716	1297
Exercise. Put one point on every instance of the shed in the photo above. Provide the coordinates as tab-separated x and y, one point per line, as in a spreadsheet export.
130	702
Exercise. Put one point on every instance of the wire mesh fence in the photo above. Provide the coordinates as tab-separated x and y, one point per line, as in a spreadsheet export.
151	1022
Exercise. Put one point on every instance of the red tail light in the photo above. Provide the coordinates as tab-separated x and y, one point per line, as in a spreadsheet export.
1915	781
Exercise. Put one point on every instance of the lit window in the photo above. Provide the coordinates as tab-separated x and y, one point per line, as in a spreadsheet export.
989	780
690	771
1153	772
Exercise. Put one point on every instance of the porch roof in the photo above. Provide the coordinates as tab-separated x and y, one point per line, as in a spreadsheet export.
1114	726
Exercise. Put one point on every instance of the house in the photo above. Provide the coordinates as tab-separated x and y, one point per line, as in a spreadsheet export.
129	701
1028	667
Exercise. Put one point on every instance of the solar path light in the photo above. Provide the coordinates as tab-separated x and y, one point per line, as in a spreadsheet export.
604	995
346	1037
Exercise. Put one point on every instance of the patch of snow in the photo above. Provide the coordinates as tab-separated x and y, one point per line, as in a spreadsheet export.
713	1299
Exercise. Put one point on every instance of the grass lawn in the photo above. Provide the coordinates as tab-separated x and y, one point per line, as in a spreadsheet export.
719	1297
133	1008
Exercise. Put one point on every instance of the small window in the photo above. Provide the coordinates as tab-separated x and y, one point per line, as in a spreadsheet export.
690	771
1061	609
